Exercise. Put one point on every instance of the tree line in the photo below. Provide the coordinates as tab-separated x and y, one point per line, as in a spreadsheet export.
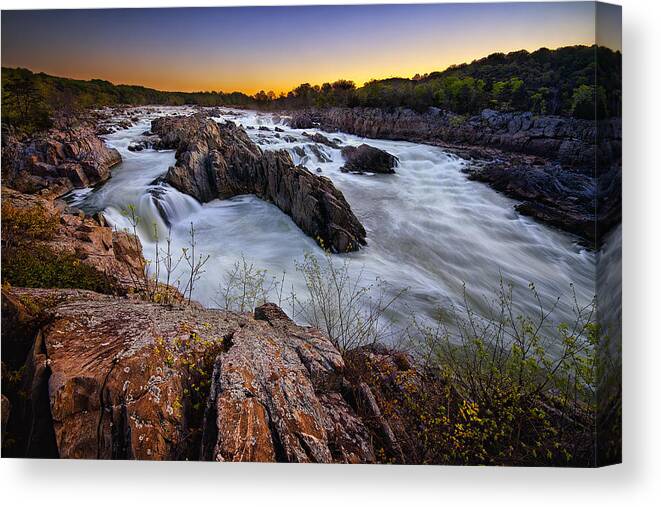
579	81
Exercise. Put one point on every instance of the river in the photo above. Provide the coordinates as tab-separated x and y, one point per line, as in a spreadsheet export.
430	230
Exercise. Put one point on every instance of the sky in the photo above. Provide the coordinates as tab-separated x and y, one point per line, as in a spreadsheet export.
276	48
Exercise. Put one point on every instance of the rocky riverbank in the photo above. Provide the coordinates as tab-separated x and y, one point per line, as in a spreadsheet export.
566	172
220	161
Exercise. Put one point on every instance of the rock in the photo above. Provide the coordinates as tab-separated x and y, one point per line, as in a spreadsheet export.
264	128
115	254
264	398
57	161
365	158
112	378
303	120
321	139
278	129
136	147
319	153
220	161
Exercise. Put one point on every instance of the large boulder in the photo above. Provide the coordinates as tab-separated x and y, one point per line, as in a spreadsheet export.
57	161
220	161
115	378
366	158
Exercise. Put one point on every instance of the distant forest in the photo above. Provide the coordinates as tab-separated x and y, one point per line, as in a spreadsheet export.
560	82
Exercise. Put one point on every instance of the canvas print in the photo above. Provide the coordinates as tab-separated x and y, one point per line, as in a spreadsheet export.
382	234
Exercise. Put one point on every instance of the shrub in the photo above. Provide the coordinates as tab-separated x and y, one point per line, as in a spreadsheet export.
245	287
33	223
26	262
492	393
350	313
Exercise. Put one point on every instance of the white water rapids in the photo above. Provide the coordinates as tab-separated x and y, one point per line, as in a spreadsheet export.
429	229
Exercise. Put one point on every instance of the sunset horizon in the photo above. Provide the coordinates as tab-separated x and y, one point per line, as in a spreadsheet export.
358	83
206	61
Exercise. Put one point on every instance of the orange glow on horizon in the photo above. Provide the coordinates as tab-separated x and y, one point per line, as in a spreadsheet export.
284	85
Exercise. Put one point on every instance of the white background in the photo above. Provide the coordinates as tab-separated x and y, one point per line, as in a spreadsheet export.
636	482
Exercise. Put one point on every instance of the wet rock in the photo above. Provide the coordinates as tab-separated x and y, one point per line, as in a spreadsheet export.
365	158
278	129
319	153
321	139
220	161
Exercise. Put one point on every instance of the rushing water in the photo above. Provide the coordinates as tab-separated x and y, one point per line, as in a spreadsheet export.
429	228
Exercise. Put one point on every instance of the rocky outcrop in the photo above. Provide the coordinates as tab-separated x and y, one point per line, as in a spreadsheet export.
365	158
115	254
322	139
274	397
57	161
109	377
220	161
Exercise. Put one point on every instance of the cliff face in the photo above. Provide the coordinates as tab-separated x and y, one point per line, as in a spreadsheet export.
220	161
